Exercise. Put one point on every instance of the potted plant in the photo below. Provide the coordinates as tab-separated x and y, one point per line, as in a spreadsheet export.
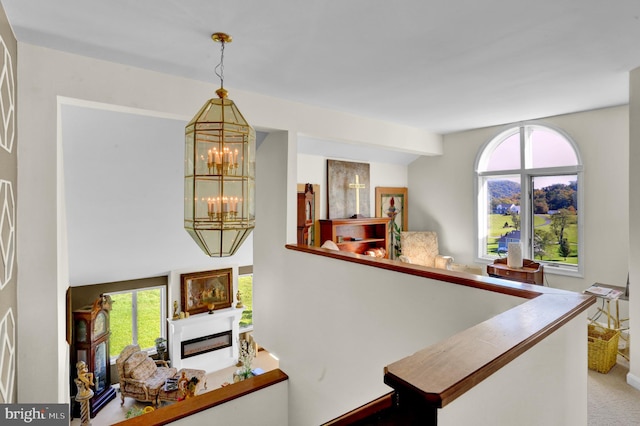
161	347
247	353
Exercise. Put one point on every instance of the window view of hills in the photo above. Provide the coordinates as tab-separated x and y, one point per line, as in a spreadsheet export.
554	197
555	218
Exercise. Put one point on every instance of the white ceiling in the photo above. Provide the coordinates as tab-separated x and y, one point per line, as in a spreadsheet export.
439	65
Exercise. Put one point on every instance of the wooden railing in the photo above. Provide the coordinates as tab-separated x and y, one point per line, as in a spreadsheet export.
365	412
207	400
435	376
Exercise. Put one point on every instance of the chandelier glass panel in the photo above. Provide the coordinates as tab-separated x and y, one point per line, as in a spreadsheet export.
219	178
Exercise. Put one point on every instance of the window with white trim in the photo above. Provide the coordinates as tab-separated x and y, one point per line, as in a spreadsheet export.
245	287
137	317
529	190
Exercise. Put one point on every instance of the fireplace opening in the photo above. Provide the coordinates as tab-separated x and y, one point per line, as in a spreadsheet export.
202	345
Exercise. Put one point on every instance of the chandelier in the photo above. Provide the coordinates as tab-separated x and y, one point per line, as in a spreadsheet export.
219	176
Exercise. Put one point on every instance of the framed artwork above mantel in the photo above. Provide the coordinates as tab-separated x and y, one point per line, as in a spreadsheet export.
199	289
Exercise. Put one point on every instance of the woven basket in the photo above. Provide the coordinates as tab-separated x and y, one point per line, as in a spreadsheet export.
603	348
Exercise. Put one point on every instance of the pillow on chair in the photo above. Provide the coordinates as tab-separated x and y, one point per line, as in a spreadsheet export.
144	370
127	352
132	363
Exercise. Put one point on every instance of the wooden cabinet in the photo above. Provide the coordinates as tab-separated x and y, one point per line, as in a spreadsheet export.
91	345
531	272
357	235
305	215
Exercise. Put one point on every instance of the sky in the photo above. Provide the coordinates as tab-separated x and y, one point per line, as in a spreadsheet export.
548	149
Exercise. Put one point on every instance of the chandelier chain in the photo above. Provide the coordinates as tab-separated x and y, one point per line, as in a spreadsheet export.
219	70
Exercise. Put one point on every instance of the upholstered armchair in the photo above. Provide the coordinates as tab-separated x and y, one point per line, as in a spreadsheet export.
421	248
140	376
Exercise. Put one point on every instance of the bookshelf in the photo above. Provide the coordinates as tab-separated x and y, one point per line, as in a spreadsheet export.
357	235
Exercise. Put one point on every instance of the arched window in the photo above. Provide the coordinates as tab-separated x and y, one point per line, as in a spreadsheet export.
529	186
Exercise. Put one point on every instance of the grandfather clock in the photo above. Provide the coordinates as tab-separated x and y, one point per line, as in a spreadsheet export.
305	215
91	345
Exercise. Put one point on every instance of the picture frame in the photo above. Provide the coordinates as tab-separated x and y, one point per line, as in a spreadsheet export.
347	189
393	202
198	289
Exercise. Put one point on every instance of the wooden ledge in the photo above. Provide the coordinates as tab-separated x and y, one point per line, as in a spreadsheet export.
181	409
364	412
444	371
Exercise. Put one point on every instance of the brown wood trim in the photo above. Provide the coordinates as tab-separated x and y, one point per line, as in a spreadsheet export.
364	411
444	371
188	407
497	285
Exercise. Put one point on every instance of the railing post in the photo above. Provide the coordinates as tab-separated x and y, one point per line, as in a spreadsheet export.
414	410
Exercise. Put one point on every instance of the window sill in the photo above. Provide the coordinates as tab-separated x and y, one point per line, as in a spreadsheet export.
552	269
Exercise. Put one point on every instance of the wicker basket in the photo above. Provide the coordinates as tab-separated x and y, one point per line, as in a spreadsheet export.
603	348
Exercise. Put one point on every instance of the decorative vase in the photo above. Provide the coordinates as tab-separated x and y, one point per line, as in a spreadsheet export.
514	255
211	306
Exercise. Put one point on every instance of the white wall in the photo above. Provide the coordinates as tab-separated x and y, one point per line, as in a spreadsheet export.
546	385
123	174
442	191
44	75
337	324
334	325
634	226
268	408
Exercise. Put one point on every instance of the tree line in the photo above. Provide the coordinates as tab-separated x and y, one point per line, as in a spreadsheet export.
554	197
558	198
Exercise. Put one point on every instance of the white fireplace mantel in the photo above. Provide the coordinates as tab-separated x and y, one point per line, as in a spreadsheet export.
201	325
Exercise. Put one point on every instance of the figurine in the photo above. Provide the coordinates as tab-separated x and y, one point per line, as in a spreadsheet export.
187	387
103	302
239	304
84	381
175	310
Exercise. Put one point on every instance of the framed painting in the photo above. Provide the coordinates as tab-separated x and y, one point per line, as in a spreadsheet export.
347	189
393	203
199	289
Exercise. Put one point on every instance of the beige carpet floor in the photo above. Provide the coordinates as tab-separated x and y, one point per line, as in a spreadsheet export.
612	402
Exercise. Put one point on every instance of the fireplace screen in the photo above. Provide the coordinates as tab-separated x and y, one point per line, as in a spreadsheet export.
205	344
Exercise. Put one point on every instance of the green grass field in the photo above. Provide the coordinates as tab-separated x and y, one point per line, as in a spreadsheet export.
148	320
245	285
541	222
